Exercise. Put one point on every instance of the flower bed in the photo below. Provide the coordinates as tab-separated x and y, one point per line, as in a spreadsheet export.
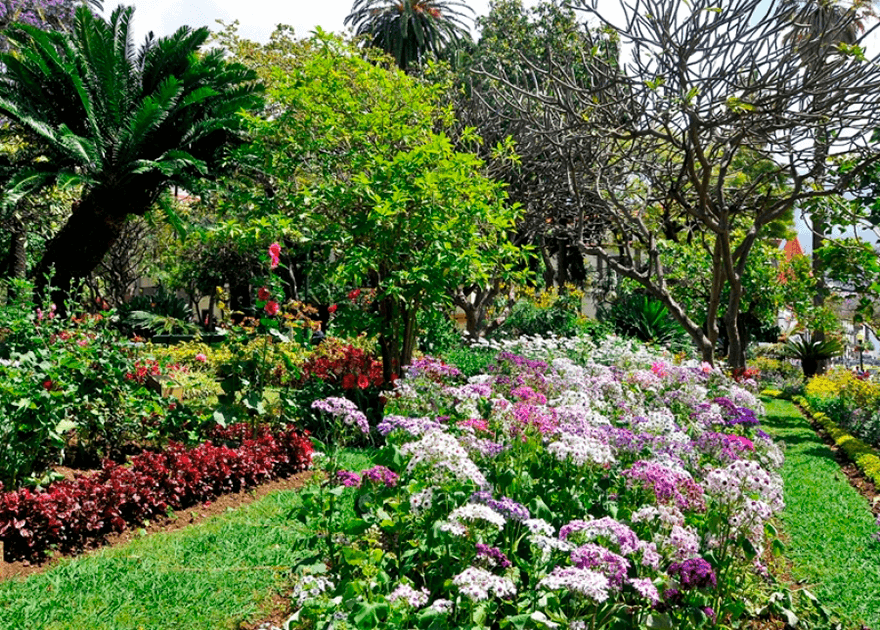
71	513
553	494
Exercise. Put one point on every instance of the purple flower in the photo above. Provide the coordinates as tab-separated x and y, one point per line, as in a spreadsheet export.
381	474
505	506
693	573
349	479
606	562
667	484
493	555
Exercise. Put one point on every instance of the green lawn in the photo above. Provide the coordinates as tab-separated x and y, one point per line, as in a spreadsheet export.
213	575
828	524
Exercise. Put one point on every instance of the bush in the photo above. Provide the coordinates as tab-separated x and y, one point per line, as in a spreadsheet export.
642	317
72	513
553	311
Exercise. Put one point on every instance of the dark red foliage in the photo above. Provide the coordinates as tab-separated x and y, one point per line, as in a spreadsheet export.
349	366
71	513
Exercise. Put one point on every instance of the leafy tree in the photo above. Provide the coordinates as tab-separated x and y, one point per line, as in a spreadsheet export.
410	30
124	123
355	151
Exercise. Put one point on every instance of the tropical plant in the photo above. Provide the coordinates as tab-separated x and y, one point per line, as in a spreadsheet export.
812	351
125	123
410	30
644	318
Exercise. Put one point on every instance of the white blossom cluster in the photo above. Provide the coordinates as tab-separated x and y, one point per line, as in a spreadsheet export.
309	587
411	596
581	450
478	584
442	451
586	582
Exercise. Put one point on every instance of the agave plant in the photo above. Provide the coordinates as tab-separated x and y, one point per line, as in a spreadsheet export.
812	351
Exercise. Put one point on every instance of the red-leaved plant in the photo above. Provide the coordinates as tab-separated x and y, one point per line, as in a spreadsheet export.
73	513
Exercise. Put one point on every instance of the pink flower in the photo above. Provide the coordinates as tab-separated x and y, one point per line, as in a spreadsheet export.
271	308
274	255
200	357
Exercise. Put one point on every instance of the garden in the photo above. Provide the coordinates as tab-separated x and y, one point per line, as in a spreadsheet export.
416	329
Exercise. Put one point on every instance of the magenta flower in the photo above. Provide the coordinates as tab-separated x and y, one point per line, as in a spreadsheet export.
274	255
271	308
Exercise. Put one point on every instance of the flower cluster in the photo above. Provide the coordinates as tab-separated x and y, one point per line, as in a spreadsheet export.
344	409
628	487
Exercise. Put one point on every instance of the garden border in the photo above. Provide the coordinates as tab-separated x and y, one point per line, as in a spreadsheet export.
864	456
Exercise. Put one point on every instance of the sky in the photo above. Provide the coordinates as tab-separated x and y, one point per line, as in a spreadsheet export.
257	18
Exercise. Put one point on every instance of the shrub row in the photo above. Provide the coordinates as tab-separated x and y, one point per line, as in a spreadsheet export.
71	513
865	457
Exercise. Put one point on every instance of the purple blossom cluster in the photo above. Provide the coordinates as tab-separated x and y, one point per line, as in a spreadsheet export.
493	556
735	415
431	368
412	426
667	484
693	573
611	565
505	506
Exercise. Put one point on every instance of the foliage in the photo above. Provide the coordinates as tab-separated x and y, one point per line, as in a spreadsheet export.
552	311
644	318
385	202
124	123
73	512
410	30
148	315
851	401
811	351
61	376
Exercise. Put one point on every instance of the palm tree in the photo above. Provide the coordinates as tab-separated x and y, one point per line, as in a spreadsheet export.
126	124
410	30
818	28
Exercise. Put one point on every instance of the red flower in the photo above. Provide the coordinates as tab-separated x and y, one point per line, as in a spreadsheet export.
271	308
352	295
363	381
47	384
332	308
274	255
348	381
263	294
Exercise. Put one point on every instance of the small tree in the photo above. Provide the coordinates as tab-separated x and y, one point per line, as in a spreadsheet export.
355	149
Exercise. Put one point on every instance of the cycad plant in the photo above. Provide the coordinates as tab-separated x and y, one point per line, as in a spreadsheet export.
124	122
812	351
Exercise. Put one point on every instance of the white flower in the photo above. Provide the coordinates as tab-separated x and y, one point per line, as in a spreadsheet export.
478	584
411	596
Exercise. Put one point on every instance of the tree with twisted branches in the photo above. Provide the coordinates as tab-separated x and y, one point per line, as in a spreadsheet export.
703	94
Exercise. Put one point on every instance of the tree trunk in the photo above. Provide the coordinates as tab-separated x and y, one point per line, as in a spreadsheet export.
18	249
90	232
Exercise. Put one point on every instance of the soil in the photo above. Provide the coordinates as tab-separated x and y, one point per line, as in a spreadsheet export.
178	520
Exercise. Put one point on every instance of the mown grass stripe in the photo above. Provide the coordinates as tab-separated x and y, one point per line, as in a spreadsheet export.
213	575
829	524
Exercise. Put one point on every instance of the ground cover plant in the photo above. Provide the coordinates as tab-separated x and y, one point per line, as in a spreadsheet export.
831	532
218	574
618	491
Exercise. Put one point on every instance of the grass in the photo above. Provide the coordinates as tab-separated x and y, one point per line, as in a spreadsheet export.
828	523
214	575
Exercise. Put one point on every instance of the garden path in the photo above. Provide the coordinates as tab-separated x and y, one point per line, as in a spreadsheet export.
829	525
